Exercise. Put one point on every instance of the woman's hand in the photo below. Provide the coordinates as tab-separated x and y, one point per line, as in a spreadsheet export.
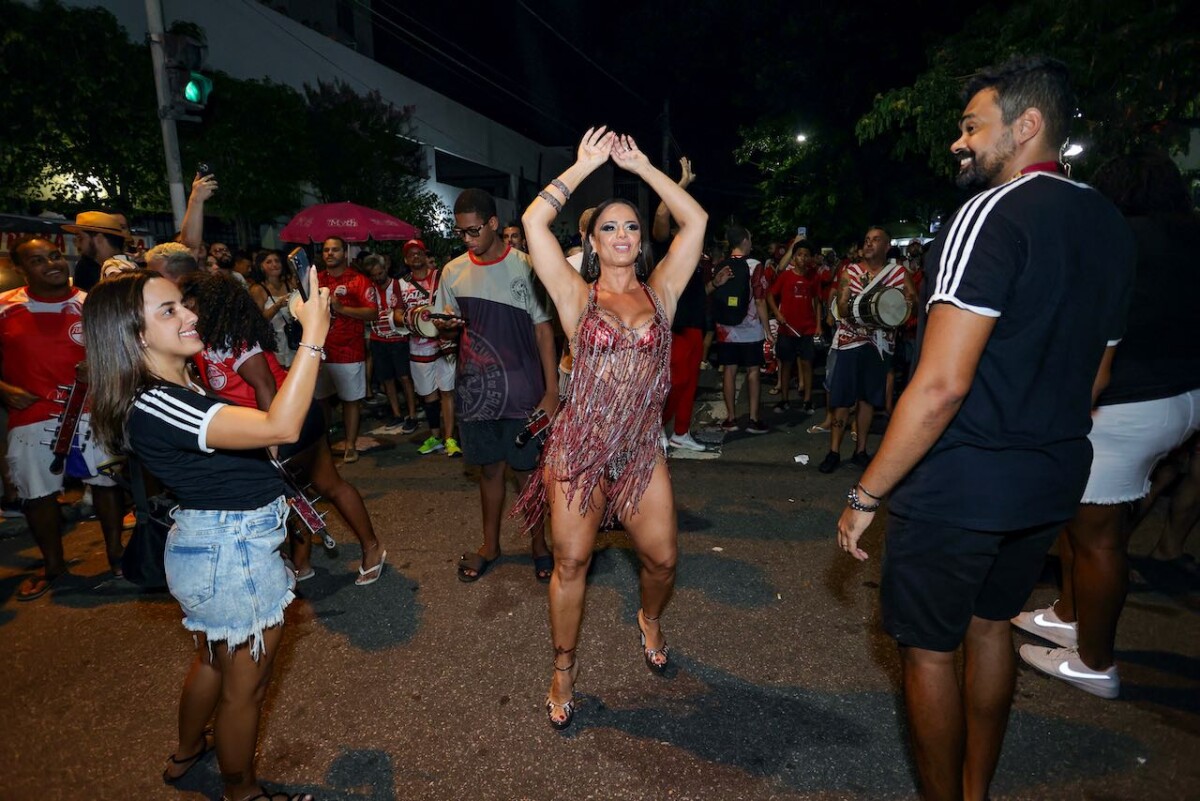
626	155
313	314
595	147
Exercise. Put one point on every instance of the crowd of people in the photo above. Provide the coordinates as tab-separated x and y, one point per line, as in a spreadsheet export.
577	369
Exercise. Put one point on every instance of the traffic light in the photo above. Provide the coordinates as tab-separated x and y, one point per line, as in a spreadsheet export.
189	88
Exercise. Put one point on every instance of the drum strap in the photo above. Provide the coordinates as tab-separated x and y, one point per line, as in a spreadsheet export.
882	275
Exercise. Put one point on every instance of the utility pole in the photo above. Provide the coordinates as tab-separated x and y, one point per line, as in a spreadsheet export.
154	23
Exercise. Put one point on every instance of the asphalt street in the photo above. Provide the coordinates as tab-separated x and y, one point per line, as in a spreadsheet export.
423	687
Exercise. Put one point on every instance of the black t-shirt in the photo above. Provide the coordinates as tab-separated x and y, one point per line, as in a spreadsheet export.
1053	261
1159	356
87	273
168	431
692	305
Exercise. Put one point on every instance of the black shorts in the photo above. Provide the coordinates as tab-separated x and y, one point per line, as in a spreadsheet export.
789	348
936	577
491	441
861	375
389	360
312	430
741	354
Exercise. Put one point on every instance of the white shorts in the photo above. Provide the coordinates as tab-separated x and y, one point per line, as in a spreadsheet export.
29	459
348	381
1129	439
430	377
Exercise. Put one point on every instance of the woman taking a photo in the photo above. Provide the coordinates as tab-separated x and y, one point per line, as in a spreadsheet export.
604	458
222	559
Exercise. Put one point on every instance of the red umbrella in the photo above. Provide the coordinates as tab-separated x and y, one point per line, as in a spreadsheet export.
350	221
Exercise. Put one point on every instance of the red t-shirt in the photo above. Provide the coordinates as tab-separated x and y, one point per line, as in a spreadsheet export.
346	342
41	341
220	371
796	292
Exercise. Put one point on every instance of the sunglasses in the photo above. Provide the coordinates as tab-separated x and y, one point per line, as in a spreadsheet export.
472	232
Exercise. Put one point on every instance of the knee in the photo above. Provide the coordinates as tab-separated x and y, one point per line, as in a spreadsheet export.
661	565
571	568
921	659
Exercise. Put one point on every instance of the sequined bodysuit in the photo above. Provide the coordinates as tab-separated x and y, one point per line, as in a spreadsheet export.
607	431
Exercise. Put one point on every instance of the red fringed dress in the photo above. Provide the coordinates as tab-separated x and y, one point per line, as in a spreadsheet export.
607	432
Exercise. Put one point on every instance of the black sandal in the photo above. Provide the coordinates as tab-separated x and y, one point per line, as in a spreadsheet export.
568	706
190	761
657	668
280	796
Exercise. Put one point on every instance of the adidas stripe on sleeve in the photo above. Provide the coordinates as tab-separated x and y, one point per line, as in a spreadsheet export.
182	416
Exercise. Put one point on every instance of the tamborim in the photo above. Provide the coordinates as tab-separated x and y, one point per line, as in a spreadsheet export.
880	307
419	322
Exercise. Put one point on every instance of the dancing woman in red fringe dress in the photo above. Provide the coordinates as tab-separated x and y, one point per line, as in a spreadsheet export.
604	458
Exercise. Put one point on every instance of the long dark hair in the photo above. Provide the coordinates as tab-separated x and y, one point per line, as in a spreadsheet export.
590	269
228	318
1145	183
259	276
113	322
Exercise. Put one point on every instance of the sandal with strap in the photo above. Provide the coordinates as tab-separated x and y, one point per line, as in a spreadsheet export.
281	796
568	706
190	762
649	654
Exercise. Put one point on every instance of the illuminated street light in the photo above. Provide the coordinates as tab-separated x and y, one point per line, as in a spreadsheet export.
801	138
1072	150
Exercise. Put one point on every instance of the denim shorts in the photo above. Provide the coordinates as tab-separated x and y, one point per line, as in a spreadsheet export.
225	571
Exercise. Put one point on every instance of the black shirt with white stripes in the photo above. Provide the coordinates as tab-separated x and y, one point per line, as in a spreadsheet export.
1053	261
168	428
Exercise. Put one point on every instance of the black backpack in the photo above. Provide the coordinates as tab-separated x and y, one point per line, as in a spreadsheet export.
731	300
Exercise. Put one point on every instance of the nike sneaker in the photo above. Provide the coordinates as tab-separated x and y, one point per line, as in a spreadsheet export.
1065	664
1045	624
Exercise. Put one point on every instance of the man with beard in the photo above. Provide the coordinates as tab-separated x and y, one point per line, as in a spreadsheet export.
344	371
225	261
514	236
98	237
507	366
987	454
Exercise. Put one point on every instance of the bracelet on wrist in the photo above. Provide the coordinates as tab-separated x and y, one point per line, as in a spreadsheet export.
561	187
855	503
316	351
868	493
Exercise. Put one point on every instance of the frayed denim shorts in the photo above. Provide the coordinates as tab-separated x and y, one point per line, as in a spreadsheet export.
224	569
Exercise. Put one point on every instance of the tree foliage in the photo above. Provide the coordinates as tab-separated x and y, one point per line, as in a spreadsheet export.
78	104
1135	68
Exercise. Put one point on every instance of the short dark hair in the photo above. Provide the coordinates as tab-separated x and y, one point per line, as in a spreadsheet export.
736	235
475	201
338	238
881	229
1030	82
25	239
1144	183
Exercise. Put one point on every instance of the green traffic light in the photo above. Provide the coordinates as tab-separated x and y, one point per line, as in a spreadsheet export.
197	89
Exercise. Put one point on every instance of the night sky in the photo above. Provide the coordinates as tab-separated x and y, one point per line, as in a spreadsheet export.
551	68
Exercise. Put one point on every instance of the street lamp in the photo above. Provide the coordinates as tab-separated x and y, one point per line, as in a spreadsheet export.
801	138
1072	150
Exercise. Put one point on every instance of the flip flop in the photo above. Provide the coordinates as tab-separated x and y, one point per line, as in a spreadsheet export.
543	568
817	430
475	562
306	575
191	761
38	586
372	572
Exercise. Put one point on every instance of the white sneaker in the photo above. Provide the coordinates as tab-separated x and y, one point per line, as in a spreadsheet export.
1045	624
1065	664
686	442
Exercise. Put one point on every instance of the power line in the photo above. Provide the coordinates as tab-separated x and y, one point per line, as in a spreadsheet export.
582	54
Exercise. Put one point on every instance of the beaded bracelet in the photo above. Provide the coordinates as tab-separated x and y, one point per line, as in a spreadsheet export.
551	199
561	187
316	351
852	500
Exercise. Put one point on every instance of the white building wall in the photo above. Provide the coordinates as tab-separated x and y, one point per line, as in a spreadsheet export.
248	40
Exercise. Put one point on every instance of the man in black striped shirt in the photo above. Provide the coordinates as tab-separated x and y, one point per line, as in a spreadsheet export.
987	454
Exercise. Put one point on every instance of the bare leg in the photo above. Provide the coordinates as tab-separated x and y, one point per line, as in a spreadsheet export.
410	396
1099	536
318	462
935	721
350	415
243	689
989	676
1065	607
785	380
448	414
537	534
729	373
866	413
806	378
837	428
197	703
754	385
389	388
110	510
653	533
1183	515
45	523
491	502
574	538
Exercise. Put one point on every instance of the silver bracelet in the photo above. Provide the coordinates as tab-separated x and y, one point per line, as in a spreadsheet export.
869	494
316	351
551	199
561	187
853	501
